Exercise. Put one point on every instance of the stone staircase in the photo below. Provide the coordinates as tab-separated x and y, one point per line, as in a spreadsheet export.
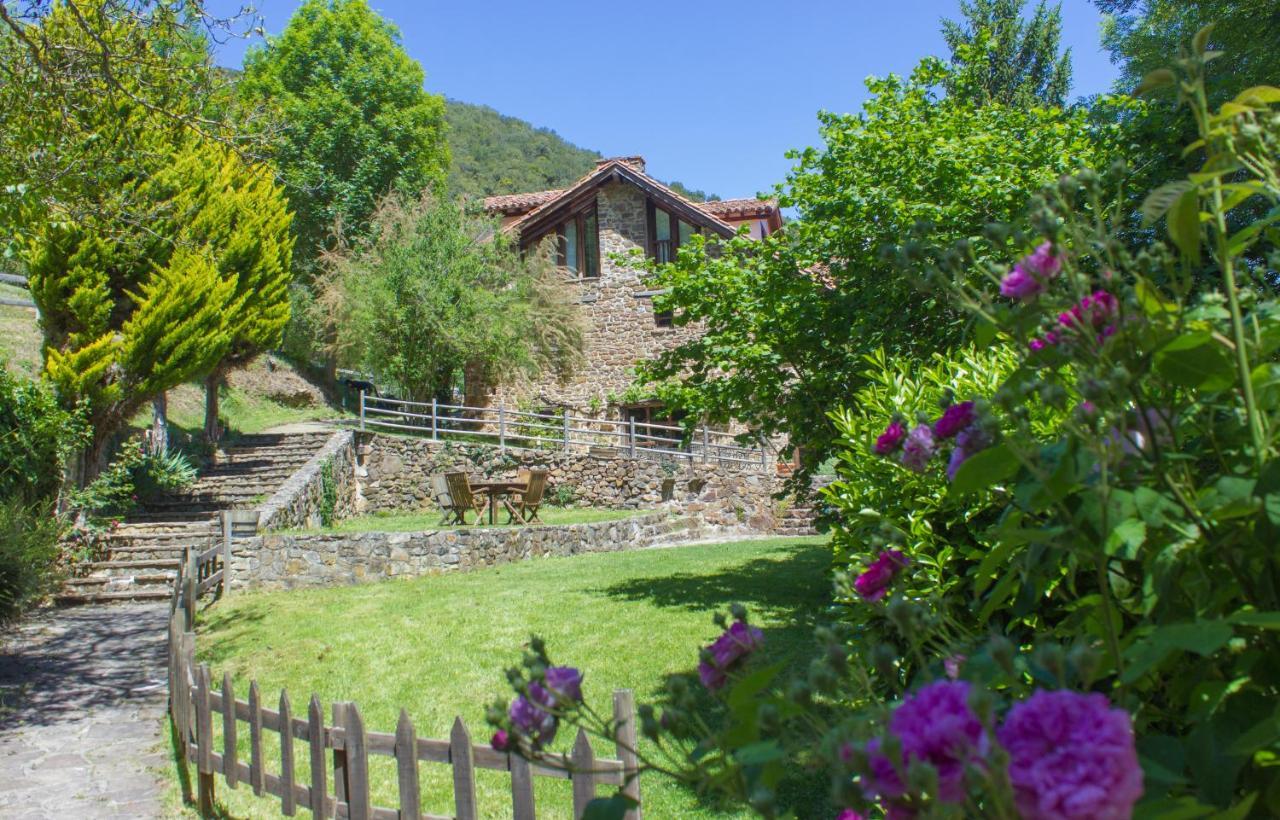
142	556
798	518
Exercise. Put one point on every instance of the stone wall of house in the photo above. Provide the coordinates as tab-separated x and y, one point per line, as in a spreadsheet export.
283	561
619	310
395	472
299	500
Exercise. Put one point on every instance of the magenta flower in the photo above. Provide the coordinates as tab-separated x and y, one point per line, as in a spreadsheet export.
891	439
1071	757
529	716
1043	262
1097	311
565	682
954	419
1050	339
918	448
500	741
1021	284
738	641
952	665
874	582
850	814
935	726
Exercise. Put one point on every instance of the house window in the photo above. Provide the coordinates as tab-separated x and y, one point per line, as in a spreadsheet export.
662	318
578	245
654	426
667	233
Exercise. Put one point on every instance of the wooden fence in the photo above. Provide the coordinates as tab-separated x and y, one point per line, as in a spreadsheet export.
193	703
518	429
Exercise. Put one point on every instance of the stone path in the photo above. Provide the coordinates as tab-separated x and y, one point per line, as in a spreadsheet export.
82	700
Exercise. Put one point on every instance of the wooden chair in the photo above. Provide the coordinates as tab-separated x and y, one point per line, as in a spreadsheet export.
461	498
440	495
524	507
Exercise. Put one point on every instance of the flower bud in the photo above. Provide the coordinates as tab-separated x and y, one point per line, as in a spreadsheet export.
799	692
1054	660
770	721
738	611
720	620
885	660
900	612
1084	661
764	801
822	678
1002	653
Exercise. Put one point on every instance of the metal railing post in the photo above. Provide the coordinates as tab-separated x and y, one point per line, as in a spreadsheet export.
706	445
566	429
764	458
502	427
434	423
362	410
632	428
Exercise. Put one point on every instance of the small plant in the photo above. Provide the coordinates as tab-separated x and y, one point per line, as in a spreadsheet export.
328	493
564	495
133	479
28	555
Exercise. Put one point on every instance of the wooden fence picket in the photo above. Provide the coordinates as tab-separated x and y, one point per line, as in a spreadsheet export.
315	735
583	774
287	799
522	807
230	758
204	741
625	719
257	777
359	806
407	768
464	773
340	756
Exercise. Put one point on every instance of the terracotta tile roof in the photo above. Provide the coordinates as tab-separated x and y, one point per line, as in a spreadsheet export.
512	204
739	208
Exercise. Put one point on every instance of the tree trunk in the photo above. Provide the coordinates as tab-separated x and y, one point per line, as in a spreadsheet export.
160	424
212	427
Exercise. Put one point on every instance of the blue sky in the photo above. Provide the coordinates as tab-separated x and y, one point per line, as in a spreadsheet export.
711	93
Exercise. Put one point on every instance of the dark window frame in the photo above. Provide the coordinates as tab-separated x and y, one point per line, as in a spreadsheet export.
651	218
588	243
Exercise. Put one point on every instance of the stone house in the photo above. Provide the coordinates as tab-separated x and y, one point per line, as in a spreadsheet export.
614	209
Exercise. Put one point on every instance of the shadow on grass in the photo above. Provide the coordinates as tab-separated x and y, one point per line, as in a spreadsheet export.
789	594
223	630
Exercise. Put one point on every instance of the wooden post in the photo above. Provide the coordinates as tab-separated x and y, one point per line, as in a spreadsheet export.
257	777
362	409
189	589
287	802
340	767
632	428
566	429
584	781
407	768
359	806
225	586
204	742
521	789
315	735
229	751
434	424
502	427
464	773
624	716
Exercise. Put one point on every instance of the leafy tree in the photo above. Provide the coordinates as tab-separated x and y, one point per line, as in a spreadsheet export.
997	56
435	292
353	119
788	319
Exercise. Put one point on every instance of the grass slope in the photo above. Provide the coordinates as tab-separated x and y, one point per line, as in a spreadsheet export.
19	333
437	646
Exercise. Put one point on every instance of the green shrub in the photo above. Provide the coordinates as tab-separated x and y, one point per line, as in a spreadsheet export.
28	554
37	439
134	478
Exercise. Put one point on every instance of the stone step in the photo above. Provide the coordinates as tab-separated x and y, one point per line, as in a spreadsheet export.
74	598
112	565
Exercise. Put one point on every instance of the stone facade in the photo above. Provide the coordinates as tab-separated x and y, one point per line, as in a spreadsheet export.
286	561
299	500
395	470
618	307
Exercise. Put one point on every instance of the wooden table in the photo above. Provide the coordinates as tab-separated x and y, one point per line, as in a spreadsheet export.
495	489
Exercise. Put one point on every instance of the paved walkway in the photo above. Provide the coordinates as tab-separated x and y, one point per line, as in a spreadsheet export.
82	697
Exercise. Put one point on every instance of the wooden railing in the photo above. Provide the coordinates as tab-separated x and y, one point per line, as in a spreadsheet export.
518	429
193	702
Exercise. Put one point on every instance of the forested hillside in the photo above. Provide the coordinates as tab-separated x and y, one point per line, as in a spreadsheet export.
497	154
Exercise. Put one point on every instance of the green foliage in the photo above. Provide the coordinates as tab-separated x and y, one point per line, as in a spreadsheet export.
38	438
436	292
28	553
909	157
353	120
135	477
496	154
998	56
564	495
328	494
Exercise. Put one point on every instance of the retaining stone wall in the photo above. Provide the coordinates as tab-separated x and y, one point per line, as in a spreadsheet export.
298	501
285	561
395	471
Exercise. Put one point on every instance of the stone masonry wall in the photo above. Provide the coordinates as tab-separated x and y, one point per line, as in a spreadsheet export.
280	561
298	501
619	310
395	471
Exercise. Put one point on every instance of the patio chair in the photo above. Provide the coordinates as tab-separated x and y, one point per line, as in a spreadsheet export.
461	498
440	495
524	506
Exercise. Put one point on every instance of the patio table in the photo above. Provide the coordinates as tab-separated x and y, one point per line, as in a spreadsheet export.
495	489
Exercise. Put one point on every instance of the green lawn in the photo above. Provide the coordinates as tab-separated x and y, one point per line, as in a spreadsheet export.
437	647
430	520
